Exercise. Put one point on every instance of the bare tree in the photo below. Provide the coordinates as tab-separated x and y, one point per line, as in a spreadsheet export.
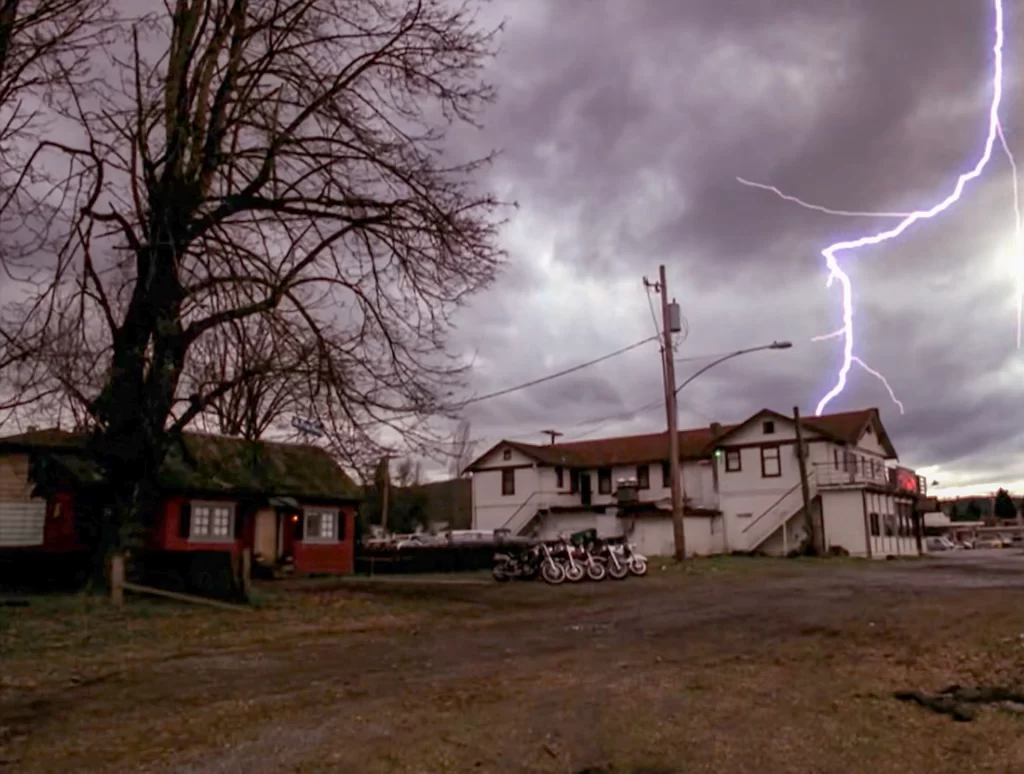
279	163
44	46
462	450
257	404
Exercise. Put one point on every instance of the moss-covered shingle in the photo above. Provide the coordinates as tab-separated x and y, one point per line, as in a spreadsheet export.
223	465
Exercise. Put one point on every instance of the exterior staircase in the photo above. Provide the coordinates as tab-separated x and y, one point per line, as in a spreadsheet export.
780	513
524	515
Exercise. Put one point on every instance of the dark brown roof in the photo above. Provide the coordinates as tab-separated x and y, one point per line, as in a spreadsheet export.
223	464
699	443
846	426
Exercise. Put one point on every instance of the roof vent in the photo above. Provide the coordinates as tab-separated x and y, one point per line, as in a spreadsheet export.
33	428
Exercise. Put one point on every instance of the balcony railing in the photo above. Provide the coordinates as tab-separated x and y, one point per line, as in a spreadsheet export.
853	471
863	470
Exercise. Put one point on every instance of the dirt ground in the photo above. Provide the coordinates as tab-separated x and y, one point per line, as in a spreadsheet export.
728	665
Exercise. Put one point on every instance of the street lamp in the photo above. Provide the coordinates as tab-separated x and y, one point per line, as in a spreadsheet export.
731	355
678	492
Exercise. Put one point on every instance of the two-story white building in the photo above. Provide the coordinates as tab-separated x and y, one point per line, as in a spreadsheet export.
741	483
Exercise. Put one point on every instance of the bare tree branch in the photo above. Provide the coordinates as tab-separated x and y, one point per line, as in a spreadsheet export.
266	221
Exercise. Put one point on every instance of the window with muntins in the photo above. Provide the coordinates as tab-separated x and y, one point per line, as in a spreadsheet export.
321	526
508	482
733	461
212	521
771	462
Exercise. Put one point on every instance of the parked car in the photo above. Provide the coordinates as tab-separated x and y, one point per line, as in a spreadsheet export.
989	542
967	545
940	543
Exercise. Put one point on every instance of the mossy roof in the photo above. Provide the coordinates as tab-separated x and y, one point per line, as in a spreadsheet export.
225	465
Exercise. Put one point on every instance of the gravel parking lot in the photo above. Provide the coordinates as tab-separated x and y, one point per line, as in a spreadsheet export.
730	665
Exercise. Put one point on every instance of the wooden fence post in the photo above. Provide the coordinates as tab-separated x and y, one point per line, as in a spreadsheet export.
246	572
117	579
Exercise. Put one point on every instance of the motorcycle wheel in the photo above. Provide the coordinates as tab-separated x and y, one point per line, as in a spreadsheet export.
618	571
574	573
638	567
552	573
499	574
596	571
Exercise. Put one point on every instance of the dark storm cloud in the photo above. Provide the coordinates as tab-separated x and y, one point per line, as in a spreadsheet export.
623	127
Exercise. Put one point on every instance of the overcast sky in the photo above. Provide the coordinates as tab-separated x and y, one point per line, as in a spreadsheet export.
624	127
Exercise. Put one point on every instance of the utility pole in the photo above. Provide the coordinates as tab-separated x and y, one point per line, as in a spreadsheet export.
553	433
805	487
669	326
385	491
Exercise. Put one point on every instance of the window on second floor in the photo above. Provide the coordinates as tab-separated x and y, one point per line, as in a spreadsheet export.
768	427
559	477
771	462
508	481
643	476
507	454
733	461
604	481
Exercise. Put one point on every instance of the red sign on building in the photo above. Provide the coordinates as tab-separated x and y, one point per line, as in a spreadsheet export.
905	480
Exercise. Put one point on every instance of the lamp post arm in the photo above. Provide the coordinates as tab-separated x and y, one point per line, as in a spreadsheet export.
713	363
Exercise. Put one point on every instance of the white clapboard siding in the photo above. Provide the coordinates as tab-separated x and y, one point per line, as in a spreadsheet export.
21	524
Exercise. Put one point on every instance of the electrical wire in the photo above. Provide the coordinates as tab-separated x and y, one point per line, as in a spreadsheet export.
557	375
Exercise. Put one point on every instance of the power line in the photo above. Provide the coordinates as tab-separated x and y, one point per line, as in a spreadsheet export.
559	374
605	420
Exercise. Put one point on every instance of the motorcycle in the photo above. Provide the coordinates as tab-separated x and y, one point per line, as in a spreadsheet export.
637	562
551	570
614	561
509	566
593	562
567	557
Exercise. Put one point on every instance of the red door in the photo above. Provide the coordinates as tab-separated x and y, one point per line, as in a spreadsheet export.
289	527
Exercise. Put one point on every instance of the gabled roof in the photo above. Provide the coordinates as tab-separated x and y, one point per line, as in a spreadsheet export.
609	452
232	466
700	443
846	427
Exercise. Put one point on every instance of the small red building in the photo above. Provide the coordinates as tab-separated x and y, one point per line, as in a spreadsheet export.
291	504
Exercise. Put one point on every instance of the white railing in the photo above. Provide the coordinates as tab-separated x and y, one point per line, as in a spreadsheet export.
851	472
778	513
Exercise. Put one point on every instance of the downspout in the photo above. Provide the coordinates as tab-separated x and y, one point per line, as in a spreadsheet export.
867	521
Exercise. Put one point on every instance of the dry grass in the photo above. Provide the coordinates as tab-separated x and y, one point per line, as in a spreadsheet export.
729	665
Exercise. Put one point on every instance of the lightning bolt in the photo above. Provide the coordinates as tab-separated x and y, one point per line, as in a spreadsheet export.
907	220
1018	234
818	207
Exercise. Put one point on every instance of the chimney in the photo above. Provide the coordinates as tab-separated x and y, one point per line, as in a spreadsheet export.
716	429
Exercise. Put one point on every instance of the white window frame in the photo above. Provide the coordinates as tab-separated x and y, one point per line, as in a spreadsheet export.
308	537
207	536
